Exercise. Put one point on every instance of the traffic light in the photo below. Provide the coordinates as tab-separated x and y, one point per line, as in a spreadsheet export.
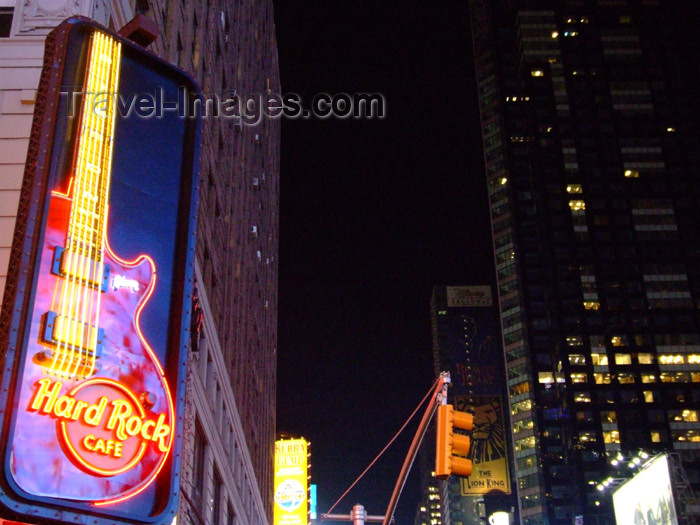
449	443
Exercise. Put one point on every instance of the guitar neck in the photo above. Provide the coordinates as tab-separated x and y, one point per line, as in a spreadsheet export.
93	160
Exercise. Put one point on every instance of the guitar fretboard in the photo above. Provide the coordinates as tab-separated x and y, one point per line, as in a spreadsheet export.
75	324
94	152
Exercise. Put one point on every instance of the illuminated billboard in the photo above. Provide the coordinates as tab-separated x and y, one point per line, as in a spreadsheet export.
96	311
647	497
489	455
291	482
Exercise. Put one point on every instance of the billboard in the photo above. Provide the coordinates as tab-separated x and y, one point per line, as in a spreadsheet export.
291	482
647	497
490	471
470	348
96	311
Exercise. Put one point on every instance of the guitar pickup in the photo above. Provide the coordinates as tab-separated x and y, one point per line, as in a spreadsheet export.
70	264
84	337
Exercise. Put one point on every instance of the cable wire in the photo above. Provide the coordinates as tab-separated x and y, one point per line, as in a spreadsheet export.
432	388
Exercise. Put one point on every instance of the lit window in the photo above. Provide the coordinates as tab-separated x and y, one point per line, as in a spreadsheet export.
520	388
587	437
503	181
670	130
574	340
686	435
523	425
648	378
577	359
574	188
525	443
578	378
645	359
671	359
655	436
582	397
546	377
619	340
625	378
648	396
577	205
591	305
695	377
693	359
683	415
674	377
599	359
555	34
537	73
601	379
623	359
632	174
612	436
521	406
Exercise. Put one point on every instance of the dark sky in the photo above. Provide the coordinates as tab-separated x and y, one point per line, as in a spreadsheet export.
373	214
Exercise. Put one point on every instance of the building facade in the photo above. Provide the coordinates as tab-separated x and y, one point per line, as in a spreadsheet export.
230	48
591	153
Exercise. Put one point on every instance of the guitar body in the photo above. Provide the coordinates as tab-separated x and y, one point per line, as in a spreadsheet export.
102	427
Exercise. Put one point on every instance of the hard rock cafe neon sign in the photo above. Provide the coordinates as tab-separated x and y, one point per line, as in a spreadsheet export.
96	413
102	424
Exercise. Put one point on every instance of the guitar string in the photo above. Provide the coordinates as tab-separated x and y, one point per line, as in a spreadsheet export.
70	261
108	137
92	195
87	208
91	198
107	74
78	253
98	190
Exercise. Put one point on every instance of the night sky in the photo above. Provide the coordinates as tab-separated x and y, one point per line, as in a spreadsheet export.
374	213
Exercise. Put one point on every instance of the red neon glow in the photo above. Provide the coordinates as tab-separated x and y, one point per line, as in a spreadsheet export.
94	359
104	464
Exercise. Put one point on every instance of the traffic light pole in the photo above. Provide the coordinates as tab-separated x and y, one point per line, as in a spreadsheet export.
358	516
439	397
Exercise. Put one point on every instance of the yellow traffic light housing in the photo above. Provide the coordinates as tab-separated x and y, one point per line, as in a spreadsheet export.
452	448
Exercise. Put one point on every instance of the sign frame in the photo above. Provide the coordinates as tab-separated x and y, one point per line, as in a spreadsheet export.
44	150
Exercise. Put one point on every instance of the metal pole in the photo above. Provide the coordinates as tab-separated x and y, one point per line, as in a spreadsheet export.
358	515
439	394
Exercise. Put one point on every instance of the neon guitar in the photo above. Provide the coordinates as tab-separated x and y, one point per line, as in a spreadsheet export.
95	410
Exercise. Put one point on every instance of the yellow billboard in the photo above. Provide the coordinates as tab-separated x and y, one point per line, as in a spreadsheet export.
291	482
490	473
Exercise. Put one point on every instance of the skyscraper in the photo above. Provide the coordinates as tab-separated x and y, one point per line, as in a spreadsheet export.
591	153
466	343
230	48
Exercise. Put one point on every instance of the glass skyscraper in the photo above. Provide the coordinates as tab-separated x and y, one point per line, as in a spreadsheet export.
590	142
